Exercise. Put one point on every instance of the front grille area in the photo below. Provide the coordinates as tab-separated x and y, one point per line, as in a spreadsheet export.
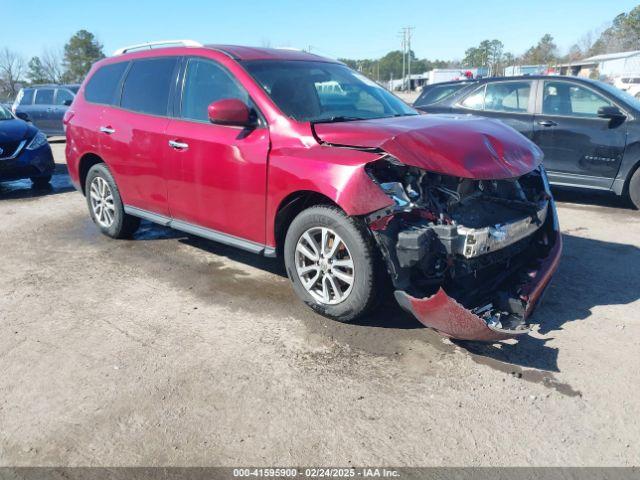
9	148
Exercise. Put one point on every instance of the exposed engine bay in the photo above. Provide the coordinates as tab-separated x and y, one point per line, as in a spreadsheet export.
480	241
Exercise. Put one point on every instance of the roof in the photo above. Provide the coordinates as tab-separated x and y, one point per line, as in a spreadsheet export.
239	52
611	56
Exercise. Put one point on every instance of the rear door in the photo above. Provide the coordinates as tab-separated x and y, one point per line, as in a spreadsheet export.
579	147
512	102
63	99
217	178
133	133
43	110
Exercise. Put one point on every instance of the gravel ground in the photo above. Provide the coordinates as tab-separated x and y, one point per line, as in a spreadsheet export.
171	350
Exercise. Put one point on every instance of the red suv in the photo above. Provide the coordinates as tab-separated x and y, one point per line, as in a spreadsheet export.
284	153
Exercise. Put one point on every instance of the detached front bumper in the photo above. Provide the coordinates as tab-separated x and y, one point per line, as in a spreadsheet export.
448	317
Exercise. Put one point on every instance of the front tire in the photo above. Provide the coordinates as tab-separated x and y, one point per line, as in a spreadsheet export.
634	189
105	204
332	263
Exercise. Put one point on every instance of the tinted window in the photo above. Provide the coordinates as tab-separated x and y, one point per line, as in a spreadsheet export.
147	86
324	92
435	94
207	82
475	101
563	98
507	96
103	84
63	96
44	96
26	97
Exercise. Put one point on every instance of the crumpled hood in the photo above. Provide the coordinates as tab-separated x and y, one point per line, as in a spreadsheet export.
459	145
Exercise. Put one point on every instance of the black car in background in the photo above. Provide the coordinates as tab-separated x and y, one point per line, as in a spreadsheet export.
24	151
45	105
589	131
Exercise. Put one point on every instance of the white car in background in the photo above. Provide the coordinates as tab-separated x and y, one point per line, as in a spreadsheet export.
629	84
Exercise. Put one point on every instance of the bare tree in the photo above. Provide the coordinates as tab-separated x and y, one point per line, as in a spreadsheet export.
12	69
52	64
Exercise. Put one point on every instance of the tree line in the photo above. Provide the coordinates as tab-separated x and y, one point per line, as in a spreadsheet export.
67	65
623	34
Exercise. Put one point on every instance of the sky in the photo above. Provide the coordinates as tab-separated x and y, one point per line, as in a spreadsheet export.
443	29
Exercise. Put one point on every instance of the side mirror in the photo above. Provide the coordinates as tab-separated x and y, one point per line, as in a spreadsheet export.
230	111
23	116
611	112
67	103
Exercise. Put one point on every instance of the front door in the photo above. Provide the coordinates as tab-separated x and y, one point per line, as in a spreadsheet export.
63	99
217	174
578	146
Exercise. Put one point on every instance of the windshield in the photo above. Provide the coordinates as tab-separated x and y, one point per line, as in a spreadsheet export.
437	93
324	92
73	88
5	114
627	98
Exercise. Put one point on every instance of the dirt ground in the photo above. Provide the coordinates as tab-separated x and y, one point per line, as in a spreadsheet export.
171	350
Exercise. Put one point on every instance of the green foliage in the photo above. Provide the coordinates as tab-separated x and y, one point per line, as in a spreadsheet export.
80	52
622	35
488	54
36	73
544	53
390	65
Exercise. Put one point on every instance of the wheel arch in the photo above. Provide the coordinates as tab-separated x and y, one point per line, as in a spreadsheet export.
87	161
290	207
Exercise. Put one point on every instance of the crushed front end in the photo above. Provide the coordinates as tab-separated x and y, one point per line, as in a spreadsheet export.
467	257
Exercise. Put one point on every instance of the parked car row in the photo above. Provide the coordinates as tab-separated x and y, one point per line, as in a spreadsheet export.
45	106
285	153
589	131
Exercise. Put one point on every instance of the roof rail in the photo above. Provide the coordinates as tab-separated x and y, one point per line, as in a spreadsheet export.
161	43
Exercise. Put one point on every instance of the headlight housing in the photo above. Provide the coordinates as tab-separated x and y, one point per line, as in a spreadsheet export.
38	141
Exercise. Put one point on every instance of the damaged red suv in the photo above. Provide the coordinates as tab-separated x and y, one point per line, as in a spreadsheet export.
285	153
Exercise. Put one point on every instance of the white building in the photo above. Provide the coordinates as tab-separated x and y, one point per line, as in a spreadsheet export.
607	65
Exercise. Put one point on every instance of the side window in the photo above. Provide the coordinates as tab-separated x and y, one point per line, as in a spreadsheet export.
44	96
564	98
507	96
63	97
26	97
475	101
103	84
207	82
147	86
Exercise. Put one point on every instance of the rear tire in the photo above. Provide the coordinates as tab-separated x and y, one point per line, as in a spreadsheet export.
105	204
41	182
345	301
634	189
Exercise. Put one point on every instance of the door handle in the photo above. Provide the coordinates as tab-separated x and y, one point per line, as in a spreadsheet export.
107	130
547	123
178	145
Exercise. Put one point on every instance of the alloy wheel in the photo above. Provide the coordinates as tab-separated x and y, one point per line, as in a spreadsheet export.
324	265
102	203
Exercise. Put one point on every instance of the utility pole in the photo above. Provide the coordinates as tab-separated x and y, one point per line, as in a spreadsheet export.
406	52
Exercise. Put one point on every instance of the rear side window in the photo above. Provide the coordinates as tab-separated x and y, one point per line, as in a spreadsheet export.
147	86
26	97
103	85
44	96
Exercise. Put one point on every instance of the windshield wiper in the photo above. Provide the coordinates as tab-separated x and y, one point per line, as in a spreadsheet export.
338	118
